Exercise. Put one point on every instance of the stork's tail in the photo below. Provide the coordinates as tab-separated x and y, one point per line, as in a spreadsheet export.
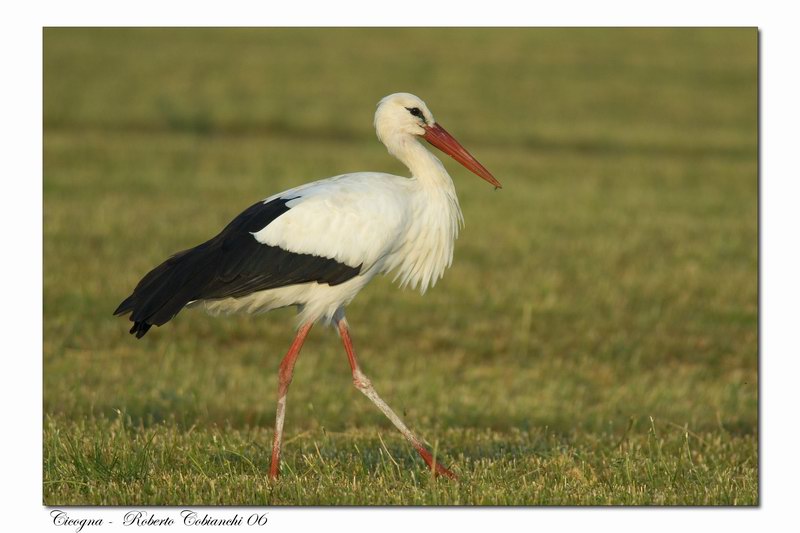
163	292
128	306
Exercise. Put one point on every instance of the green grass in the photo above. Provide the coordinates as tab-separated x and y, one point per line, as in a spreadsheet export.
114	462
595	341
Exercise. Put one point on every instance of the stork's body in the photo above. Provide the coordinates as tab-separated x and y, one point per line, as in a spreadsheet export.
316	246
369	222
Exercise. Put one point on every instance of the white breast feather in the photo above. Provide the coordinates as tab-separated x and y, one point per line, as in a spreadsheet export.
427	249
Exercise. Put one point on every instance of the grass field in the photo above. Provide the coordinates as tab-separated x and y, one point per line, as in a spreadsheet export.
595	342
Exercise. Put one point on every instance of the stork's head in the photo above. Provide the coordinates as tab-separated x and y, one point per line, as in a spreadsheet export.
403	116
402	113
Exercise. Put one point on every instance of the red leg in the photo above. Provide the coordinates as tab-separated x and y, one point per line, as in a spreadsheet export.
363	384
284	379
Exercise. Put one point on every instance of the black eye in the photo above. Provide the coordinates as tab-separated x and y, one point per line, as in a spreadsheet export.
416	112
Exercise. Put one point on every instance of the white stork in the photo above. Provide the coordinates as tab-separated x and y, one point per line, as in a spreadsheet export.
317	245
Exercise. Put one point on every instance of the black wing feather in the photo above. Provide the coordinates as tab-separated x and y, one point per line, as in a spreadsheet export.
232	264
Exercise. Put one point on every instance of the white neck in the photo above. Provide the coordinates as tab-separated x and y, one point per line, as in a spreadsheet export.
424	166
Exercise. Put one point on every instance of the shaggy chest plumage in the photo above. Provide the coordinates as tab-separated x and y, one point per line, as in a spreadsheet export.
426	249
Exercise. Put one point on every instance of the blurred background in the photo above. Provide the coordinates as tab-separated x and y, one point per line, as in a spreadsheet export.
612	279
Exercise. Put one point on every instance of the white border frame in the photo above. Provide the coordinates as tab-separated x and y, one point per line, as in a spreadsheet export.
21	213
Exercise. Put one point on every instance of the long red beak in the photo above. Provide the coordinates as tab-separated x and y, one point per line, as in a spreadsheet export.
438	136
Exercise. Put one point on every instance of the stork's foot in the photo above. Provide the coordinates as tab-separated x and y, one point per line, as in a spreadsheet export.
438	469
274	469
